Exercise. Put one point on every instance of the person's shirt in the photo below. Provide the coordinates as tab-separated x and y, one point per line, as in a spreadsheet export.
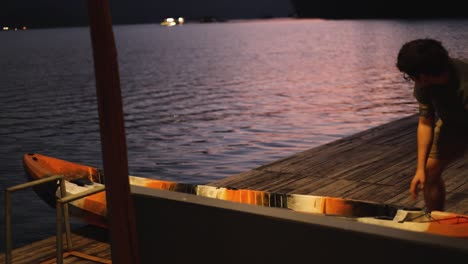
448	102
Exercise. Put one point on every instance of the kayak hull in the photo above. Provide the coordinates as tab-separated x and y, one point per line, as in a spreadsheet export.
92	209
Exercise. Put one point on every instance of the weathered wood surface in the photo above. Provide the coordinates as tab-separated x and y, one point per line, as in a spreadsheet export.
375	165
87	240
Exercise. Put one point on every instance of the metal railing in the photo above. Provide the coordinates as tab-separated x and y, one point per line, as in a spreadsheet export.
62	209
61	216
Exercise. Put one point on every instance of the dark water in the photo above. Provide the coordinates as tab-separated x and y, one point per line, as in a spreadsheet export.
201	101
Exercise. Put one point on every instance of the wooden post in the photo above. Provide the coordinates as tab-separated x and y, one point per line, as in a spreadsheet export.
124	248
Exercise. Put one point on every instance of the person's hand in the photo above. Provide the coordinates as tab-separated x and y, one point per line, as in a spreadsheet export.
417	183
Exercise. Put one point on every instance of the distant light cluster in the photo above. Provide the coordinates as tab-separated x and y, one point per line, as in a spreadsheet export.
170	21
6	28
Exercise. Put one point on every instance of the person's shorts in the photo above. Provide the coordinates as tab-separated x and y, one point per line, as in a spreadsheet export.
448	143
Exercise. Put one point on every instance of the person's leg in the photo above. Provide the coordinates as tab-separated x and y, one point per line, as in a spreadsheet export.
448	145
434	187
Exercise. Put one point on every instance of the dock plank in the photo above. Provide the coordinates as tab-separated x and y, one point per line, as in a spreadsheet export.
374	165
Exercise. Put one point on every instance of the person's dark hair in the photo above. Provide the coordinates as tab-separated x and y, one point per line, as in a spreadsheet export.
423	56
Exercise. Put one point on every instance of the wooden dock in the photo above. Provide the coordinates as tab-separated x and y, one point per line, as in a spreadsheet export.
90	245
375	165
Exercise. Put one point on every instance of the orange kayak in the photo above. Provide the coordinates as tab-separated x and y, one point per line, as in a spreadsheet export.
92	209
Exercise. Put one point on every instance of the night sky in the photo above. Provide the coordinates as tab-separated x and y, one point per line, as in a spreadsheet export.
50	13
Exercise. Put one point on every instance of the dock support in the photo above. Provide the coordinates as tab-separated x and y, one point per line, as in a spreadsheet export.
124	248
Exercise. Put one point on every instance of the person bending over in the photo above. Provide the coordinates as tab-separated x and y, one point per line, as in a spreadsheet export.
441	90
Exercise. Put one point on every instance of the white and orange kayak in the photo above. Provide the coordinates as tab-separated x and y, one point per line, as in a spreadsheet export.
92	209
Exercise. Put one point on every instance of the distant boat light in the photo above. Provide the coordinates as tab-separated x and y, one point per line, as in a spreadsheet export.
23	28
6	28
181	20
169	22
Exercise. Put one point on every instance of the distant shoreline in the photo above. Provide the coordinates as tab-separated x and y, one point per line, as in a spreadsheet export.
362	9
117	22
19	27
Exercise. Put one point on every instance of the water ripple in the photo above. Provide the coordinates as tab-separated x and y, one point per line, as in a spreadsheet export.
203	101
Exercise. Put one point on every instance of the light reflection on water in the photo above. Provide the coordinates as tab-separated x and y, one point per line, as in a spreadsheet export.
205	101
274	88
202	101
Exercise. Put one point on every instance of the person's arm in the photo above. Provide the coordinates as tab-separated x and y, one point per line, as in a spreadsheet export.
424	138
